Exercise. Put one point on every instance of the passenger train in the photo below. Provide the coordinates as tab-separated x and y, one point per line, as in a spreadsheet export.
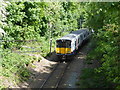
68	44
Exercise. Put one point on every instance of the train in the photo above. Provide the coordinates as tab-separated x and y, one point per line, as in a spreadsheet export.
67	45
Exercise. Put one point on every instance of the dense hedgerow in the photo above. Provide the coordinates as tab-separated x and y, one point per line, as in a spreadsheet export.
104	18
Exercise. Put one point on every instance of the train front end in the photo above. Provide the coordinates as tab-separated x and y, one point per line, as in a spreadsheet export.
63	48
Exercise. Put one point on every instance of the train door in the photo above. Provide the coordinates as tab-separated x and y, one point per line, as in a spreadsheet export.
72	45
68	46
77	44
79	41
63	48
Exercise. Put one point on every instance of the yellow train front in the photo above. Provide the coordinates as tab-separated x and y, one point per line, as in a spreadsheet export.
66	46
63	49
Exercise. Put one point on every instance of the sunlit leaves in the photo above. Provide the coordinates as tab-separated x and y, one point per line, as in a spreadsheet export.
104	19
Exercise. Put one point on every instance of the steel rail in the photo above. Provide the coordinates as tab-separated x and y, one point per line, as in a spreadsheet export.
62	74
59	79
49	75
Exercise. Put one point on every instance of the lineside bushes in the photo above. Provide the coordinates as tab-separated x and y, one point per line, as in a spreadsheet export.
104	18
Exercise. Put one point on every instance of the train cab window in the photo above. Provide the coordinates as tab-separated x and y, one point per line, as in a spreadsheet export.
63	43
68	44
60	43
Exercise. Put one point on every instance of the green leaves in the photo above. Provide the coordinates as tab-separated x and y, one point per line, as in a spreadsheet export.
104	19
26	19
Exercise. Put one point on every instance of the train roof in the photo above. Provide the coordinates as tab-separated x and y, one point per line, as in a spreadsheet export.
79	31
73	34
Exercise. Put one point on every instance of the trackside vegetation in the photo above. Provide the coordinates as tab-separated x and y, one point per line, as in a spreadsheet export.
42	21
104	18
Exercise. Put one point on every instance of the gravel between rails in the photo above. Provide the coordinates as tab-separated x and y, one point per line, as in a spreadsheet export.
55	77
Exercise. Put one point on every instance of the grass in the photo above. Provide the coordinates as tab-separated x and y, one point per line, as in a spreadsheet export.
14	67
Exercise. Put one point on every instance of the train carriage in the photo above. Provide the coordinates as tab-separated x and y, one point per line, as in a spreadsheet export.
68	44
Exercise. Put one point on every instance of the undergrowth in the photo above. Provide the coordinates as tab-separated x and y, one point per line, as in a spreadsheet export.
92	79
105	52
14	61
14	67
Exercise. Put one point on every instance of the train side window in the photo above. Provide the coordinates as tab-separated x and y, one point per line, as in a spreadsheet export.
84	35
75	43
81	37
78	40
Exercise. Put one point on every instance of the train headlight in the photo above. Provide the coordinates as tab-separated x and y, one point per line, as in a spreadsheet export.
57	50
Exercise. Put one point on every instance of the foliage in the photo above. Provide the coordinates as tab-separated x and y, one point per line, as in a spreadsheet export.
34	21
14	68
101	14
31	20
44	20
106	25
92	79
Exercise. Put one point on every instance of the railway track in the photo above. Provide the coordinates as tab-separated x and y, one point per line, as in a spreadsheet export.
55	77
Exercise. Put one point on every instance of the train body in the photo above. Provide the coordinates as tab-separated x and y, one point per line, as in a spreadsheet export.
68	44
